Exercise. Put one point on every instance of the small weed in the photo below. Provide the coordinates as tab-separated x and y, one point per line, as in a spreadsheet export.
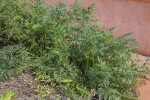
8	95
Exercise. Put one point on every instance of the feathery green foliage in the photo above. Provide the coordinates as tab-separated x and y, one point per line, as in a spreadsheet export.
70	49
13	59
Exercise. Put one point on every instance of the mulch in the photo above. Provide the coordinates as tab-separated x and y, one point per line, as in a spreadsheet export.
22	85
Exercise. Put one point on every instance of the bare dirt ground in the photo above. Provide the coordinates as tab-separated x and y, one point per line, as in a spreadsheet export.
144	89
24	86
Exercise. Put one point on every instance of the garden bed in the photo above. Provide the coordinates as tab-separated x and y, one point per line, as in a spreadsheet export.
25	87
64	47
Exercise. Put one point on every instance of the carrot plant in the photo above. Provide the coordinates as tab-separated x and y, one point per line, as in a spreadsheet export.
66	46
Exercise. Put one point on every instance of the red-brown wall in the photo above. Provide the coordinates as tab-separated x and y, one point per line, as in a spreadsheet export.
131	15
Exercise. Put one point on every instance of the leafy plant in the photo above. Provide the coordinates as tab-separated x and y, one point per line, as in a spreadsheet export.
8	96
64	44
13	59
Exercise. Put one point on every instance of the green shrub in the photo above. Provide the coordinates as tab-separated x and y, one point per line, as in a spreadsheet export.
70	49
13	59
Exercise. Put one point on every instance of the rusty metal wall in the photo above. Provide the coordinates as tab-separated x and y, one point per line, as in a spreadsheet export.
131	15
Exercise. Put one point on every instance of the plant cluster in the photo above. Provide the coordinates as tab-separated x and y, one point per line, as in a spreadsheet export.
13	59
64	44
8	95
